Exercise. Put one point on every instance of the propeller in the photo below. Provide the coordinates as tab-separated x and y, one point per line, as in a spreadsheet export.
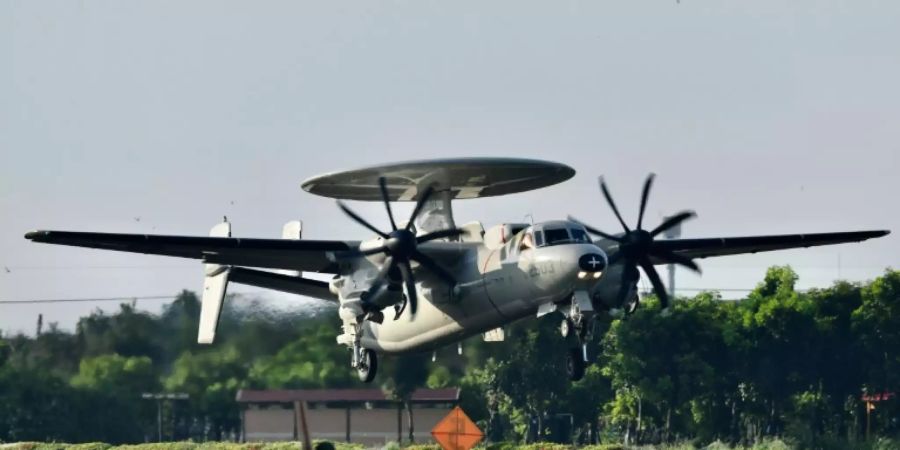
400	247
636	246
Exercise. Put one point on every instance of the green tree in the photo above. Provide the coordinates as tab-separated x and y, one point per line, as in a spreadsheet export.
311	361
407	373
211	378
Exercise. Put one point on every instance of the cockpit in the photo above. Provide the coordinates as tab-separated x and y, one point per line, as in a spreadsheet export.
548	234
559	233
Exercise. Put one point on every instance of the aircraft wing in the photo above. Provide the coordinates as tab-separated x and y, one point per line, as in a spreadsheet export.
707	247
303	255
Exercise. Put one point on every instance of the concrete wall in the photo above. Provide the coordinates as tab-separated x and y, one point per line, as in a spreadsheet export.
367	426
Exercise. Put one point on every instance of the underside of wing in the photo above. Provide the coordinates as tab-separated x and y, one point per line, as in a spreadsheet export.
703	248
303	255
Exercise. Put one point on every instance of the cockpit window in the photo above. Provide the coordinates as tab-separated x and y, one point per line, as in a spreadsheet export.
579	235
556	236
539	238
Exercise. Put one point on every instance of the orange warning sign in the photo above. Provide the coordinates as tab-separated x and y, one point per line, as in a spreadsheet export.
457	431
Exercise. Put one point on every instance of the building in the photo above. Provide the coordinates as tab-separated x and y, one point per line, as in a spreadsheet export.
365	416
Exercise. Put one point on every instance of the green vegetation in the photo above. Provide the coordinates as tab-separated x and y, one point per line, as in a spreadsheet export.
768	444
779	369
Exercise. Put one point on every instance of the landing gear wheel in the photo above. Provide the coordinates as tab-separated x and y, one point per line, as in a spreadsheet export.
566	327
575	364
368	366
632	307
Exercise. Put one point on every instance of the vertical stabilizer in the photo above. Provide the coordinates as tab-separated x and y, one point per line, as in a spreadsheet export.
215	283
292	230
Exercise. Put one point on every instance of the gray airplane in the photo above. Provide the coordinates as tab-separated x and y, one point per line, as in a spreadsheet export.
427	283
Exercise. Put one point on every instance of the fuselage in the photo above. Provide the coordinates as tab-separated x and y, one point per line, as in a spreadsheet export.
541	264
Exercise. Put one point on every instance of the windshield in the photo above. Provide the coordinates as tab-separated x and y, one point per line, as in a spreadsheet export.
555	236
560	235
579	235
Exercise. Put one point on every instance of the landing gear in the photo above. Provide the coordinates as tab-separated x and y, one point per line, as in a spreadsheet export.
364	360
575	364
576	328
632	306
367	365
566	327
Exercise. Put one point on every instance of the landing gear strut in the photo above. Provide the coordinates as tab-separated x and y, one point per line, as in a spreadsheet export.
364	360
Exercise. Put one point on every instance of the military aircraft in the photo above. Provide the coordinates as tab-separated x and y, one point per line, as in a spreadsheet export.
426	283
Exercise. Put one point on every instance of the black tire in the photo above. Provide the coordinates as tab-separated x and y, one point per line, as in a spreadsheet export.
633	307
368	366
574	364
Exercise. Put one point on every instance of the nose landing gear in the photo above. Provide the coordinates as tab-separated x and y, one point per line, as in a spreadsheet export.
576	328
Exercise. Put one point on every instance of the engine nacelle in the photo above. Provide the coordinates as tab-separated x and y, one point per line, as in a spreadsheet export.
606	294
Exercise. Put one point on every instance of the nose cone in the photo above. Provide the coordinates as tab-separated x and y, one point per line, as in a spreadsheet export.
592	262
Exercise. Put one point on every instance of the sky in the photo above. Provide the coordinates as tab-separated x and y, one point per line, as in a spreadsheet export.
764	117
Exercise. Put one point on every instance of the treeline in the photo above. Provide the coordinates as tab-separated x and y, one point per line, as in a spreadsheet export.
777	364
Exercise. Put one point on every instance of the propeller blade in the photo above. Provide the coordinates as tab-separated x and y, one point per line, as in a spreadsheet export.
658	286
422	199
625	282
612	204
385	268
646	193
406	272
359	219
382	183
595	231
672	257
673	221
379	280
450	232
434	267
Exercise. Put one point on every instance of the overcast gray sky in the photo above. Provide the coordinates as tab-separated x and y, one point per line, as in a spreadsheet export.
764	117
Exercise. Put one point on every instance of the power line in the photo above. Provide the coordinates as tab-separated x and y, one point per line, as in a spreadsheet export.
18	268
100	299
74	300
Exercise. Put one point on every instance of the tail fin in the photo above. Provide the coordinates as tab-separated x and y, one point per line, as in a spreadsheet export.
215	284
292	230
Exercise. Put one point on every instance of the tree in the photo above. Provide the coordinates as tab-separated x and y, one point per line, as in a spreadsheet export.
211	378
122	375
311	361
408	373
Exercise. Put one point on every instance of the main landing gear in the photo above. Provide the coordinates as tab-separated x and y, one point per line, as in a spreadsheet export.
364	360
367	365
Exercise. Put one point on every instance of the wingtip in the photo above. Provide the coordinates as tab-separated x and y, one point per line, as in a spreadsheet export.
35	235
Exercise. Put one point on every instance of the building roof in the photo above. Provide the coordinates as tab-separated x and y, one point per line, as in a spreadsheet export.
342	395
